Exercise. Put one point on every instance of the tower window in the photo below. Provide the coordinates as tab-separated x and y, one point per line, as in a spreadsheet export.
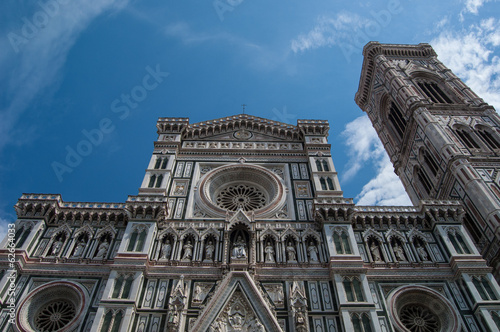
21	236
112	321
158	181
318	165
484	288
121	289
488	138
361	323
323	184
458	243
322	165
164	163
434	93
341	243
158	163
429	160
467	139
329	181
152	181
137	240
353	290
424	180
397	119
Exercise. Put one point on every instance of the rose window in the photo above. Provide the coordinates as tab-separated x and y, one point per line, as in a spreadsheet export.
230	188
418	318
242	196
54	316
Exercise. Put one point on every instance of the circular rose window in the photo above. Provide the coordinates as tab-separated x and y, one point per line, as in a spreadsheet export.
250	188
56	307
422	309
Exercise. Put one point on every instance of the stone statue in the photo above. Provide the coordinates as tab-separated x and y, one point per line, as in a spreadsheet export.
375	252
422	253
80	246
102	250
56	248
269	250
399	252
313	252
188	251
166	250
209	251
198	293
290	251
239	248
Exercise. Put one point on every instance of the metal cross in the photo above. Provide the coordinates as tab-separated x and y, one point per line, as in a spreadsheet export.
243	105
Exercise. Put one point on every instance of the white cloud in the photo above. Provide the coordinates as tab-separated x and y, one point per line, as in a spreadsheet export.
329	31
31	63
4	227
473	55
472	6
365	148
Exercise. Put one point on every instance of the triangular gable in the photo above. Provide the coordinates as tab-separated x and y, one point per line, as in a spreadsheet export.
238	302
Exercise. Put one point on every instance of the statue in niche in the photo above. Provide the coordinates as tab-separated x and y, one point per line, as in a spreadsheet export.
375	252
198	293
209	251
269	250
239	248
188	251
166	250
291	253
313	252
56	247
422	252
103	249
399	252
80	246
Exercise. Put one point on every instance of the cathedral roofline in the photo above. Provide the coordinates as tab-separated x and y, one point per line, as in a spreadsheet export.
374	49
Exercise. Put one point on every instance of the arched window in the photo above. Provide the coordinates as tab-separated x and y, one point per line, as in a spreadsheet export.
353	289
318	165
430	162
158	162
496	318
159	180
21	235
434	93
467	139
164	163
488	138
137	240
330	183
472	228
361	323
342	243
112	321
152	181
323	183
397	119
325	166
122	286
423	179
458	243
484	288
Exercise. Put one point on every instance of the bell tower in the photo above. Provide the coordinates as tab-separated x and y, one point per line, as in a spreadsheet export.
443	140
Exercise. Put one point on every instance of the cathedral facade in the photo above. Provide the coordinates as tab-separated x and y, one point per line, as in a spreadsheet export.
240	224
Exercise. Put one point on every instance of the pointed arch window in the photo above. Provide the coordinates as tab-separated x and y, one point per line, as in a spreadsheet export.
484	288
159	181
323	184
329	181
397	119
458	243
467	139
158	163
434	93
122	287
342	243
21	236
353	289
424	180
112	321
431	163
137	240
488	138
361	322
152	181
318	165
164	163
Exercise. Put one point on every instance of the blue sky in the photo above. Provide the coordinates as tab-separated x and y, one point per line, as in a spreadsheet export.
68	68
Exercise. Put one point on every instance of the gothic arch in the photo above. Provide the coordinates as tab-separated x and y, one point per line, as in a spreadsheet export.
210	232
189	231
290	232
168	231
310	233
268	232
